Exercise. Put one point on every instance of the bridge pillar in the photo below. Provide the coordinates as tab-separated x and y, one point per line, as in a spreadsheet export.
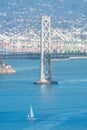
45	66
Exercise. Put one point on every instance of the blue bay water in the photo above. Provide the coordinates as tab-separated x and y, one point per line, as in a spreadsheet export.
56	107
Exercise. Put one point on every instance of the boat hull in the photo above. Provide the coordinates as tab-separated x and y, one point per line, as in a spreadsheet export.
31	118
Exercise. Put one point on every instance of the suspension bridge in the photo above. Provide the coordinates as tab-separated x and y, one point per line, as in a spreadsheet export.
46	51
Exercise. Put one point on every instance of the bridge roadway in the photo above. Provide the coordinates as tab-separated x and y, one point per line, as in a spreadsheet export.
36	56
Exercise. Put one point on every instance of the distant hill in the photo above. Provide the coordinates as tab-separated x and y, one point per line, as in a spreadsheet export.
20	14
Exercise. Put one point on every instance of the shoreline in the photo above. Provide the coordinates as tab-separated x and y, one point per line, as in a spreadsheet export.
70	58
81	57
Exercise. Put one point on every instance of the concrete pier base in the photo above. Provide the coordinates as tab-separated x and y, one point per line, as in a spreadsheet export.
43	81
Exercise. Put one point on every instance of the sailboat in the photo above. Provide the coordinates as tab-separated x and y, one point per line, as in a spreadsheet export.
31	115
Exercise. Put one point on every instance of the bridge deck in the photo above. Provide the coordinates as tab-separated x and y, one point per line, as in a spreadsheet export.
36	56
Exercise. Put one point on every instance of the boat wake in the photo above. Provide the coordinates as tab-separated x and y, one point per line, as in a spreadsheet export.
74	81
57	120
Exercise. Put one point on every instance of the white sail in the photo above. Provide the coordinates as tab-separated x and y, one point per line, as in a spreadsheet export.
31	113
28	116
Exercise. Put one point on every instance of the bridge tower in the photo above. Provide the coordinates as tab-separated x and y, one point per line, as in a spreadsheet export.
45	66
